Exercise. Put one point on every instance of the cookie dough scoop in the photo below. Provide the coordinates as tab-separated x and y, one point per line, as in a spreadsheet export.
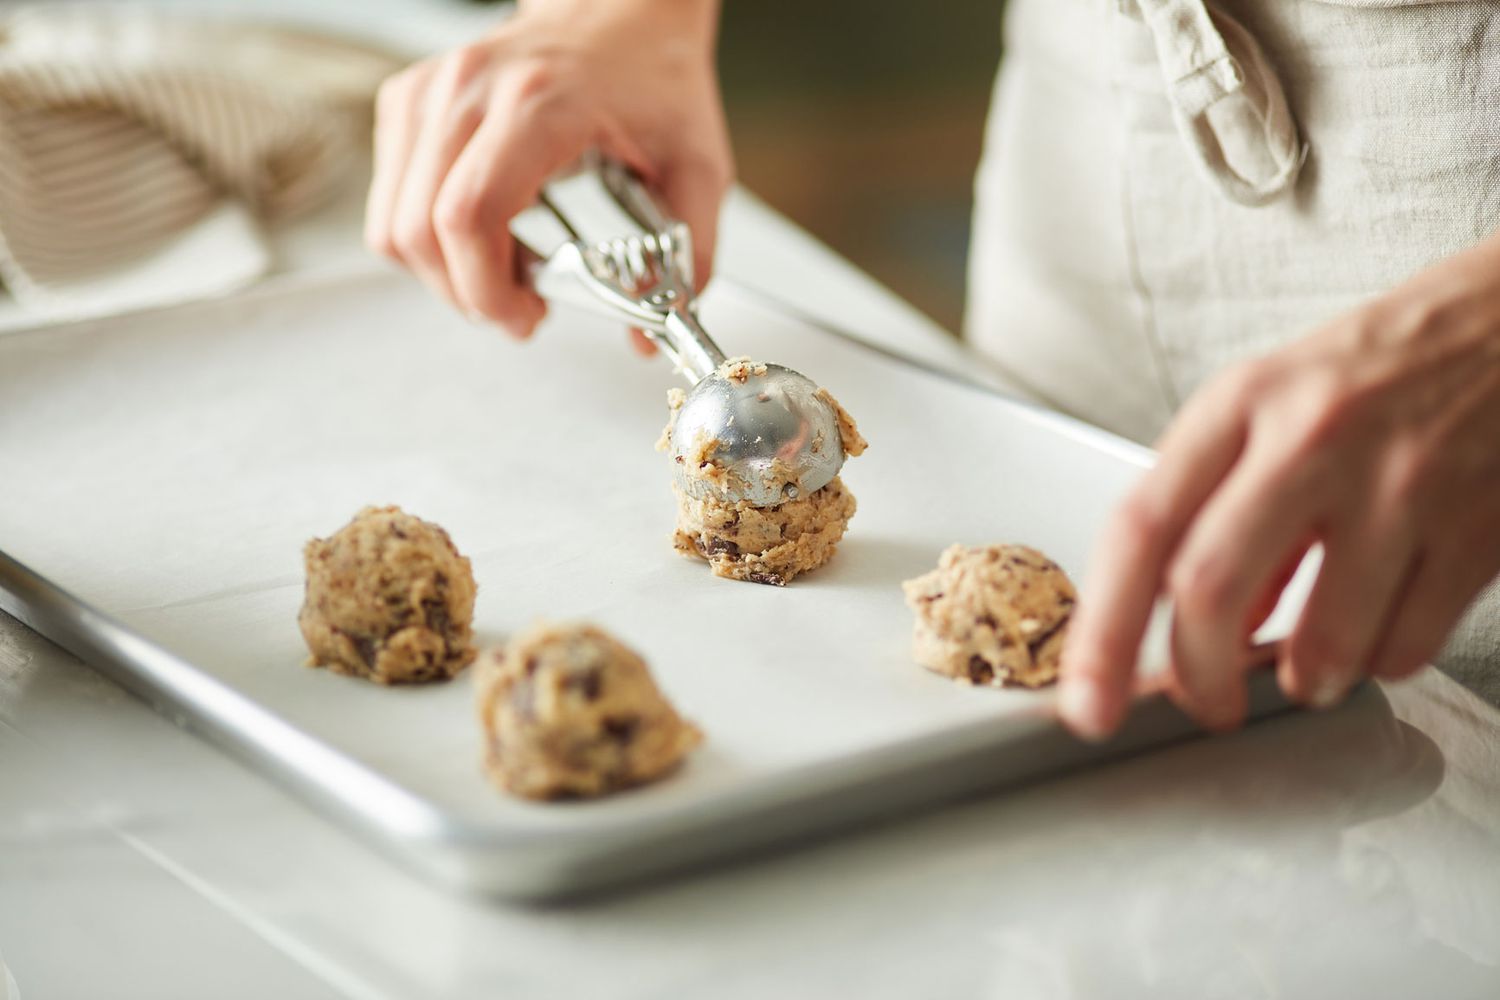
769	433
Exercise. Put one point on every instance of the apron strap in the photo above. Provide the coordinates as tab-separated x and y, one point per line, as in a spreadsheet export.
1226	99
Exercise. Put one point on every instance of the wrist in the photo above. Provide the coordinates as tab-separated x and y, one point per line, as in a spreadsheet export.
1456	302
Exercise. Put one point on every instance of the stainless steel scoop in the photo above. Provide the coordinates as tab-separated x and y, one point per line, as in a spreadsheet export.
767	437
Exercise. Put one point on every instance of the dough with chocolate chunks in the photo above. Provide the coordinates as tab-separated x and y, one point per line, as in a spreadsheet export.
763	544
740	541
569	712
388	598
993	616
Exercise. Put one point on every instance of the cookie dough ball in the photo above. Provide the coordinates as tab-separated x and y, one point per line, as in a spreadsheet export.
568	712
768	545
992	616
388	598
763	544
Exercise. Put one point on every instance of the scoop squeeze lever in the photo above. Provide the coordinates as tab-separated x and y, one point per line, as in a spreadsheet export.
760	434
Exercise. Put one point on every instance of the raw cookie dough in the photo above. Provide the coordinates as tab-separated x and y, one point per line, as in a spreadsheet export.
388	598
849	436
569	712
761	544
992	616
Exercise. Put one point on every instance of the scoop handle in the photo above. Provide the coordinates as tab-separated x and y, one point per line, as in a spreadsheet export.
667	314
681	336
689	346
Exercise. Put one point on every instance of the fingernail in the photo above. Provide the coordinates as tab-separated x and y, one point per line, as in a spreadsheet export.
1082	709
1328	691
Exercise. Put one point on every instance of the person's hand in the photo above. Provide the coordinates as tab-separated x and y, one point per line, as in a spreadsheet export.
464	141
1377	437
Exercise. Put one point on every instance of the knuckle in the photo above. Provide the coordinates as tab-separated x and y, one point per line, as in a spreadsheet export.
379	241
1250	388
1409	469
1292	479
1202	586
467	60
1139	519
534	79
1438	314
1250	383
1321	423
460	67
1099	655
457	217
399	89
390	95
1330	409
414	239
1403	316
1361	331
541	100
1232	398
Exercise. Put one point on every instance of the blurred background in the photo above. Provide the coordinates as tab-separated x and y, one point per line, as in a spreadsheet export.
862	120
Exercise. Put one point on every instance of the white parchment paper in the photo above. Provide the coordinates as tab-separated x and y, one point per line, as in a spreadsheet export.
168	467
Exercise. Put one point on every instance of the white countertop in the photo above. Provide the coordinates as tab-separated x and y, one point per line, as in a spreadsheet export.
1352	853
1308	854
1355	853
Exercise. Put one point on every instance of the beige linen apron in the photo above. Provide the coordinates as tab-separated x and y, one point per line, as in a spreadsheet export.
1170	186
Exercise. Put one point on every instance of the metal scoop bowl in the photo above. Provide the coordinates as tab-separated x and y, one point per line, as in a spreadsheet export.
773	438
756	433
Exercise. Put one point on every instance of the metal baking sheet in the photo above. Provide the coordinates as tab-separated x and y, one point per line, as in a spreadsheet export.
162	471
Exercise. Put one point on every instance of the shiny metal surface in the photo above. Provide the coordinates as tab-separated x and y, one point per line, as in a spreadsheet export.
776	440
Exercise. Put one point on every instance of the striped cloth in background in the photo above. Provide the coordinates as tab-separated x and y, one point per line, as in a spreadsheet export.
139	151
